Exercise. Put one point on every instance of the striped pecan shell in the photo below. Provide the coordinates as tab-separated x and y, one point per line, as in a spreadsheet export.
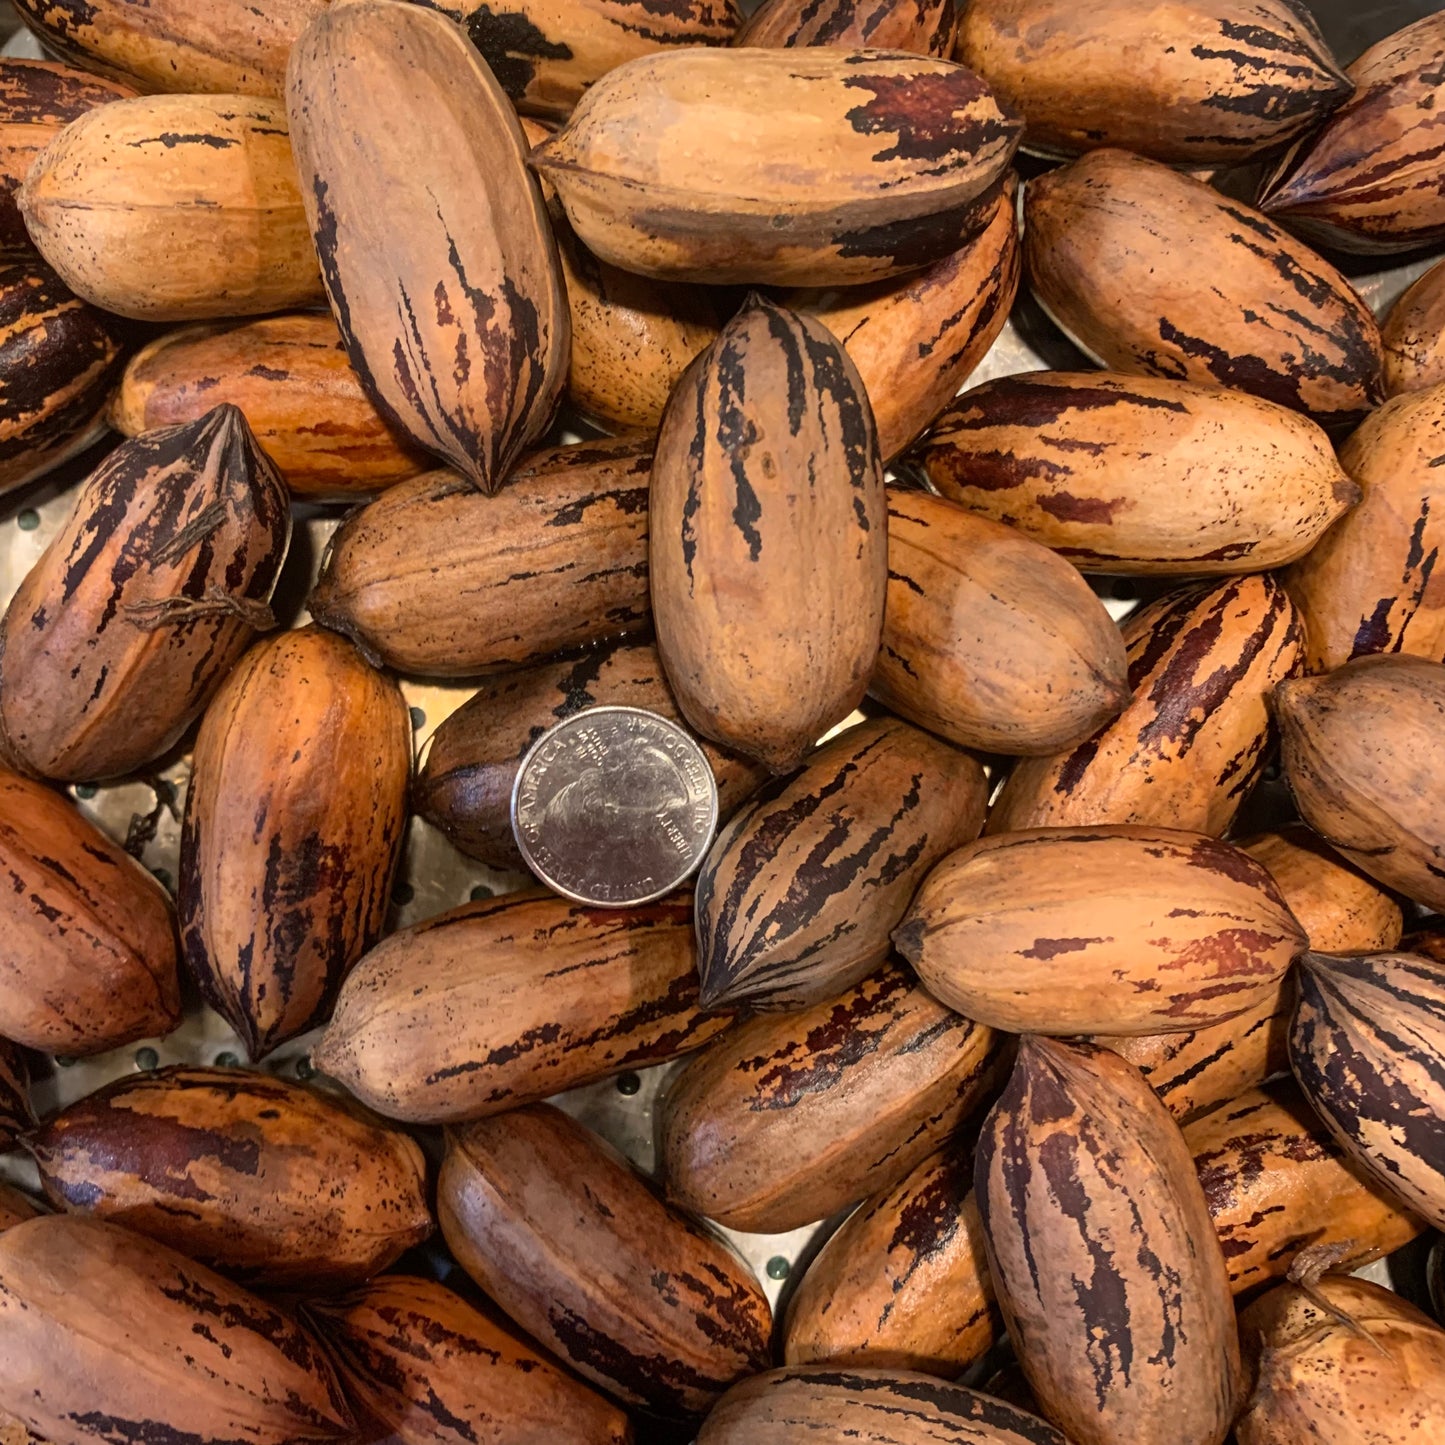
435	578
144	599
1365	1044
1194	1072
16	1113
925	27
1375	582
498	1003
799	893
59	360
1370	178
1190	746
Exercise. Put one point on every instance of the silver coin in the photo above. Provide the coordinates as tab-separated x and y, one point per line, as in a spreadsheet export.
614	806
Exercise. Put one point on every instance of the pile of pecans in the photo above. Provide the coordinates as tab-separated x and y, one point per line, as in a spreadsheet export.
1090	984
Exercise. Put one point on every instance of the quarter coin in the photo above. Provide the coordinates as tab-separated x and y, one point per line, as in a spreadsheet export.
614	806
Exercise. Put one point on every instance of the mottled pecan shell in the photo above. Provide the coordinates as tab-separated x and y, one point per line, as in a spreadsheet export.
783	1407
1278	1184
38	99
1414	336
290	377
790	1117
1360	748
769	537
1276	320
1340	909
175	208
267	1181
90	957
1337	1356
577	1247
294	822
989	639
712	184
432	1369
1200	82
1080	1165
1140	475
464	786
15	1208
632	337
545	53
111	1336
1128	930
435	578
903	1284
456	323
225	46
